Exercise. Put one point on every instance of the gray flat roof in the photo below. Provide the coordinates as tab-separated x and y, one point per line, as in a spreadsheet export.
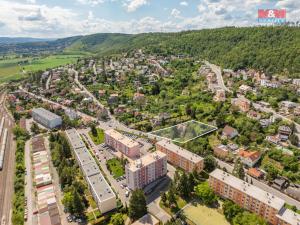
100	187
180	151
91	169
74	140
84	156
248	189
289	216
46	114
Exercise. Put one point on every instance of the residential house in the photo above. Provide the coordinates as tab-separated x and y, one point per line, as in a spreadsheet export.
221	151
220	95
280	183
284	132
113	99
242	103
244	89
249	158
253	115
265	122
139	98
229	132
254	172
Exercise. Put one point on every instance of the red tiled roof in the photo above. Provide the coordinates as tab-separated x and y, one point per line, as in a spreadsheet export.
252	155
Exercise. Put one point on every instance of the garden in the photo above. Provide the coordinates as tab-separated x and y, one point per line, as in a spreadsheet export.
115	167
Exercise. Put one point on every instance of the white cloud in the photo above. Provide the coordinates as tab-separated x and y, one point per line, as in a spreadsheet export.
133	5
184	3
90	2
39	20
31	1
175	13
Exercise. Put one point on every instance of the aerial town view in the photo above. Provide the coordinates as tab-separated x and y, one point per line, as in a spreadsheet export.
150	112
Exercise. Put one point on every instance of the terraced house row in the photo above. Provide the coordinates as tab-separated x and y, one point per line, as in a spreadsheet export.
252	198
100	189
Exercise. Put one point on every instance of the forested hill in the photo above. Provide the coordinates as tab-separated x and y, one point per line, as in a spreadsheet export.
273	49
269	48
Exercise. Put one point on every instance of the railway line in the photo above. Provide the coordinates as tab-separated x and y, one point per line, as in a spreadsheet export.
7	163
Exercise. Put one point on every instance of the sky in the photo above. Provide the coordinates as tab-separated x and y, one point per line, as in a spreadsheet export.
63	18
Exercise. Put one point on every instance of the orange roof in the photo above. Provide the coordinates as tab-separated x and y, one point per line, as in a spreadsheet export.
254	172
252	155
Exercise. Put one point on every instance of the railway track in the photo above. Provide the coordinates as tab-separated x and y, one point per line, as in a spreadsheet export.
7	172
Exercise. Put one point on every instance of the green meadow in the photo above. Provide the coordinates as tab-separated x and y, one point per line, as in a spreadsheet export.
11	69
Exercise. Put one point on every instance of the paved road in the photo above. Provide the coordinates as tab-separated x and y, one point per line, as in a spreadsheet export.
7	173
48	81
217	70
29	189
263	186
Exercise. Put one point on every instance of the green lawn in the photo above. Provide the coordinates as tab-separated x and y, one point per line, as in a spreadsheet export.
99	139
115	166
202	215
11	69
180	203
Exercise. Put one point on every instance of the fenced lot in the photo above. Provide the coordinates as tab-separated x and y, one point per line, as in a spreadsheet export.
184	132
202	215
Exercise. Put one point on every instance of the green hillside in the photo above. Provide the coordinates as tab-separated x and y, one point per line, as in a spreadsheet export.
273	49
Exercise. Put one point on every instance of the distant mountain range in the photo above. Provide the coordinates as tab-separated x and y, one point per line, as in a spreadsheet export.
272	49
16	40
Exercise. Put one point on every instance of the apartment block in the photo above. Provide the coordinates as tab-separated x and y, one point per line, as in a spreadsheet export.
247	196
46	118
180	157
145	170
288	217
100	189
122	143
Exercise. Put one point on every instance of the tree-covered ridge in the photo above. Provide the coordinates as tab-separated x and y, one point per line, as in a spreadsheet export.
272	49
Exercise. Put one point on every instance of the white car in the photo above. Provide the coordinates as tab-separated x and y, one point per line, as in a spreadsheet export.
127	194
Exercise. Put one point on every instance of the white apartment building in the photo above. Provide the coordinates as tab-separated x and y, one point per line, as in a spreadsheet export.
145	170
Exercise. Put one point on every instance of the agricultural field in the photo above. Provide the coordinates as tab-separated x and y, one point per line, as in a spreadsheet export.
15	68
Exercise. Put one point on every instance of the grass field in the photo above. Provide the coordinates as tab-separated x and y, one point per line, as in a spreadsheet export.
115	167
99	139
11	69
203	215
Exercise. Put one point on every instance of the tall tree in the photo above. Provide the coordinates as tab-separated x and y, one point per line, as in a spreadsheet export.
205	193
94	130
78	204
209	163
231	209
117	219
238	169
137	205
